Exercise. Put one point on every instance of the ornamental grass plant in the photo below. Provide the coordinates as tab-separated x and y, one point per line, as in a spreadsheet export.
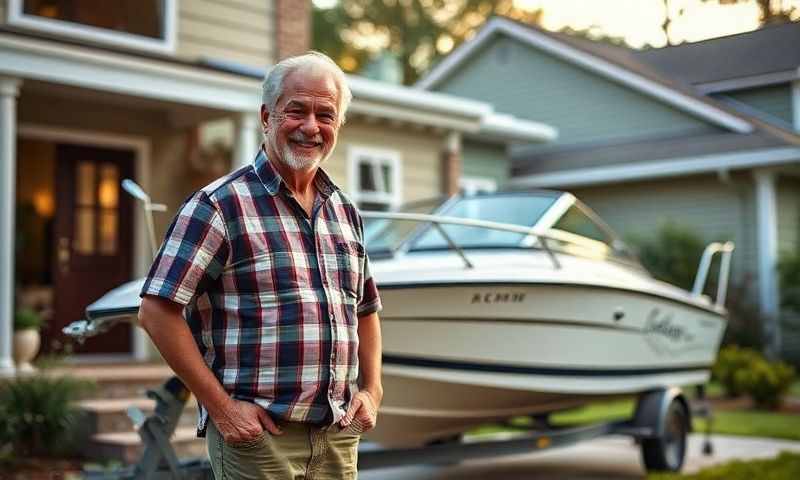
37	415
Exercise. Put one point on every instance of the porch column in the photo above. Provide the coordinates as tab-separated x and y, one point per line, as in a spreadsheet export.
9	89
247	139
451	164
767	248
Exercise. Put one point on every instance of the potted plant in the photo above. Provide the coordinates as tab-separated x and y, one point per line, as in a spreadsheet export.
27	340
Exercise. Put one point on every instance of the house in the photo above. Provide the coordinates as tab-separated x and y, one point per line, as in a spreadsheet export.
91	94
702	134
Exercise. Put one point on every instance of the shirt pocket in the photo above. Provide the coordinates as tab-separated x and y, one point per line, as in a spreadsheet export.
350	263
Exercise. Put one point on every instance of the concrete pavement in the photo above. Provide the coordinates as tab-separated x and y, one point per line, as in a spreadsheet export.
609	458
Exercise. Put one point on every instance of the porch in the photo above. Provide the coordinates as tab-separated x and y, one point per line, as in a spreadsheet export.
75	121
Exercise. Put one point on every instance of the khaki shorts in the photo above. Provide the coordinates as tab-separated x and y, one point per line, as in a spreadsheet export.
302	452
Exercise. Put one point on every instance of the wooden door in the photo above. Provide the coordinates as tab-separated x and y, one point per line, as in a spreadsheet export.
93	239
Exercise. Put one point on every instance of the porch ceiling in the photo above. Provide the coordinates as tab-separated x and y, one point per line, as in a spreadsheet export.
173	114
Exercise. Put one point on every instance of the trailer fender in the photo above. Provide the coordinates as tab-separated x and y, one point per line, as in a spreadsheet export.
653	407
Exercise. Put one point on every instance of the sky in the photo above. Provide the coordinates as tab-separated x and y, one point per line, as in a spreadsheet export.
639	22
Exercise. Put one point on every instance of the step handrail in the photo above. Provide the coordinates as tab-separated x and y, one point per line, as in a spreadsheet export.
438	220
726	249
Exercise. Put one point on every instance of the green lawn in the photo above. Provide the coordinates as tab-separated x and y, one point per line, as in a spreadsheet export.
752	423
785	467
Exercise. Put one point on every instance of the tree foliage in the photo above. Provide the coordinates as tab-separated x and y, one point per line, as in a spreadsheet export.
416	32
419	32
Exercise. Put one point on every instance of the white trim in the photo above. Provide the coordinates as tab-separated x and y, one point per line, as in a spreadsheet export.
142	153
9	91
17	17
663	168
376	157
472	185
509	128
160	80
527	35
367	89
765	79
796	104
127	75
767	253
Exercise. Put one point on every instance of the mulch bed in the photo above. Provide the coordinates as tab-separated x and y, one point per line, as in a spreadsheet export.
790	405
42	469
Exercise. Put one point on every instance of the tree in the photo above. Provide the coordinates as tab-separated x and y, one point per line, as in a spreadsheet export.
772	11
417	32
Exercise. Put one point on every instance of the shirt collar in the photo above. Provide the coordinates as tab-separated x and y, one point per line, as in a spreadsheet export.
272	180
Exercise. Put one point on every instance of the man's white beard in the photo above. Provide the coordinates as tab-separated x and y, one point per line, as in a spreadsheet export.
292	159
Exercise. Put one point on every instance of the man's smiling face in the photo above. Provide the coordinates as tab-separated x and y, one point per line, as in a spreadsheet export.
302	129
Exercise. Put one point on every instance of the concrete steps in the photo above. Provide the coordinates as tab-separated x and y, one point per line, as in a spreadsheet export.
107	433
127	447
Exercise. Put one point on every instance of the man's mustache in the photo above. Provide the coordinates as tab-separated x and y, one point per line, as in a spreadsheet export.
299	137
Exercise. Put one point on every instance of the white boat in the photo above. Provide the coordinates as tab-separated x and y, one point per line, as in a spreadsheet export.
512	304
483	321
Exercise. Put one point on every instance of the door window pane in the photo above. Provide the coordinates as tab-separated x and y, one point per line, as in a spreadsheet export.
84	241
109	186
108	233
84	193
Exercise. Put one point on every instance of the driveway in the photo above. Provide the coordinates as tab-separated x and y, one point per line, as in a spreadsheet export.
609	458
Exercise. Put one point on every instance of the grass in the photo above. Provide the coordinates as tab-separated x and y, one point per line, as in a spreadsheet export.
754	423
785	467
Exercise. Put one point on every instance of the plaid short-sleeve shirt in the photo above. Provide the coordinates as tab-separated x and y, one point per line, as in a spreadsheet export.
272	296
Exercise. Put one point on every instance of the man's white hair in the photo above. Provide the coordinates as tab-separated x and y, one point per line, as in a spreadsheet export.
314	61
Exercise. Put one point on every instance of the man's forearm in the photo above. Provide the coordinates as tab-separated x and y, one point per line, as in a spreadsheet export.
164	322
369	355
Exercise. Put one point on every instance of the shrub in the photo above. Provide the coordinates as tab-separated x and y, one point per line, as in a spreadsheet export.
767	383
789	272
743	370
25	318
732	359
37	413
672	255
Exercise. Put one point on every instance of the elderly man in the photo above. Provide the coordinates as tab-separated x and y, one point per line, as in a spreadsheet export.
261	298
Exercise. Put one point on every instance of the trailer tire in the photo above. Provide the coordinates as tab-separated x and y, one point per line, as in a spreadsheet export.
668	451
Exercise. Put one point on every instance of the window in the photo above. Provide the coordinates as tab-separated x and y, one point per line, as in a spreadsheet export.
141	24
476	185
375	178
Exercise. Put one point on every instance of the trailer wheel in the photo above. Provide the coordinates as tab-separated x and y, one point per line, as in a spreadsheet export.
667	452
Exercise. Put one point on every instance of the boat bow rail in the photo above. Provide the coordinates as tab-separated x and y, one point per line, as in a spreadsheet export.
438	220
726	249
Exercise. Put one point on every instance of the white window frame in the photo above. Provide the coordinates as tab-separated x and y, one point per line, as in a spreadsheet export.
17	17
472	185
377	157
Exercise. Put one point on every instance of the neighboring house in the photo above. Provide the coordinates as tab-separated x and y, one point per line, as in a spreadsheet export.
703	134
169	97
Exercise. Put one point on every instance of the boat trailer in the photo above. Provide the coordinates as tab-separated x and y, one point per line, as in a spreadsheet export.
660	425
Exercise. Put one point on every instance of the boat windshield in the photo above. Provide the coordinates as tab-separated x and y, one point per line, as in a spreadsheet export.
387	235
523	209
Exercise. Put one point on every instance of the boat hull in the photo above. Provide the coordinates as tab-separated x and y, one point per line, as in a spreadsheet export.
457	356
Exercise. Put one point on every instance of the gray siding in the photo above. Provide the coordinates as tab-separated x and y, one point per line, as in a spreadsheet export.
774	100
483	160
714	210
584	106
789	215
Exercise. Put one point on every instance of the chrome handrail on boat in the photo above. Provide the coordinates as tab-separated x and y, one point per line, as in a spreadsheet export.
439	220
724	270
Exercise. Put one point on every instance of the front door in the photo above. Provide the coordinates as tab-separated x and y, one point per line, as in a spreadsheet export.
93	239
